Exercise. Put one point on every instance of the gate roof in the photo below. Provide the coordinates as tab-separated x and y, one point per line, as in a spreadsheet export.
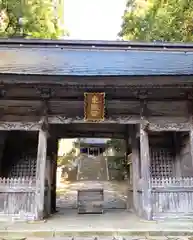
95	58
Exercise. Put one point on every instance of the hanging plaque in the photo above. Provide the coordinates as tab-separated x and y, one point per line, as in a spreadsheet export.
94	106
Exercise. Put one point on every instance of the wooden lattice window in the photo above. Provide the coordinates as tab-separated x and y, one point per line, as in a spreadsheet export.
26	167
161	163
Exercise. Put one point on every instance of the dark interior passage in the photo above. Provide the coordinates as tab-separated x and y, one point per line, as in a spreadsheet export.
19	154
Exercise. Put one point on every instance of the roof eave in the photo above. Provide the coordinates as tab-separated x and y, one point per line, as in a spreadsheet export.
94	43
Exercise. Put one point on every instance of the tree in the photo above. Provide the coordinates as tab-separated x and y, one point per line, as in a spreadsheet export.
67	158
37	17
158	20
118	145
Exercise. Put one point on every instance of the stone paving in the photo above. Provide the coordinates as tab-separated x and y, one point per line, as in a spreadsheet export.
115	193
115	224
117	238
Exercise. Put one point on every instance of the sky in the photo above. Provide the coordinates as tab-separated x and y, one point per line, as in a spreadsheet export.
93	19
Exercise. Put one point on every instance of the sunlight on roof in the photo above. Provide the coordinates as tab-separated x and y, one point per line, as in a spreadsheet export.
94	19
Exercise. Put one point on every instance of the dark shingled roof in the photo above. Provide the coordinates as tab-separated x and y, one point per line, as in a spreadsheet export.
92	58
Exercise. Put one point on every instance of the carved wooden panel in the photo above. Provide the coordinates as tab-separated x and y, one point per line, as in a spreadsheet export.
161	162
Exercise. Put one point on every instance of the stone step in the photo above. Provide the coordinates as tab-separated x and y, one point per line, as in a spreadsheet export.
93	169
96	235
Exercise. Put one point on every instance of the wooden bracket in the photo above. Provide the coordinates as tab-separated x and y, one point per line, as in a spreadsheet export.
45	93
143	112
190	95
44	124
2	92
44	120
142	94
145	125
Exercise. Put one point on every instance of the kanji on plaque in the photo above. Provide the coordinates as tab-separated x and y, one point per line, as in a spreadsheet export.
94	106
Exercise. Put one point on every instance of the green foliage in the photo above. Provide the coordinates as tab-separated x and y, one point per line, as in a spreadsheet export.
158	20
38	18
117	144
67	158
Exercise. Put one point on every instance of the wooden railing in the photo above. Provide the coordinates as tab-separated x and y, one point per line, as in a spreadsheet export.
172	197
17	198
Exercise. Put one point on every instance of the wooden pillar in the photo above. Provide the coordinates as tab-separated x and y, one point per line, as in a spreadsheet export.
54	171
190	111
145	173
40	173
135	158
191	139
177	163
3	138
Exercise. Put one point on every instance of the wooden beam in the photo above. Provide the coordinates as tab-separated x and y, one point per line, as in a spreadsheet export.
178	127
145	173
110	103
19	126
90	134
155	122
83	82
131	119
40	173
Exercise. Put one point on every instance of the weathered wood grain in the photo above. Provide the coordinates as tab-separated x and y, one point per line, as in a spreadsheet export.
17	198
113	107
180	127
177	162
186	158
25	126
135	167
172	197
166	123
40	173
145	173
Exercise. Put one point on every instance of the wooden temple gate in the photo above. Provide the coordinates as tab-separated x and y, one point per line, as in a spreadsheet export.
151	108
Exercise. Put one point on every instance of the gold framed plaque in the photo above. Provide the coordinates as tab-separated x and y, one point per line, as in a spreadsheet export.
94	107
